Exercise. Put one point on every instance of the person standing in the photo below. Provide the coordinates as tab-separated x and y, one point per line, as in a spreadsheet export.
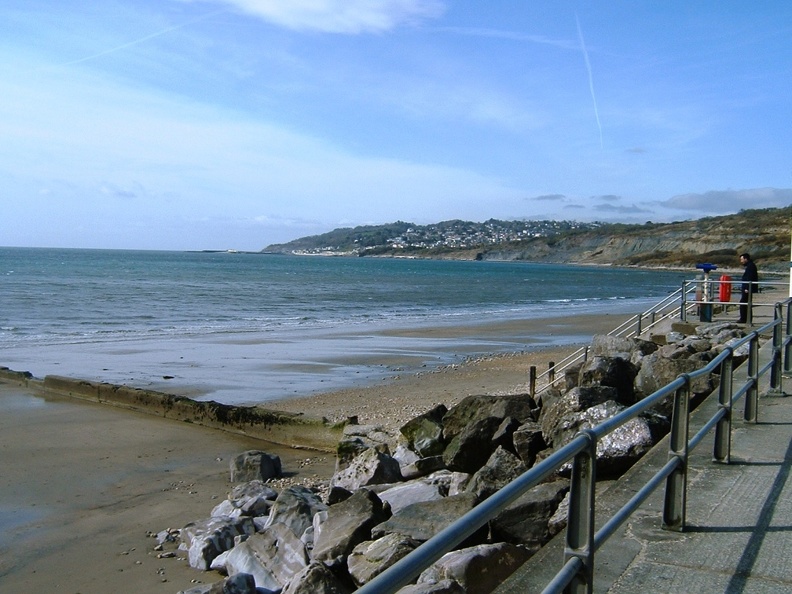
750	278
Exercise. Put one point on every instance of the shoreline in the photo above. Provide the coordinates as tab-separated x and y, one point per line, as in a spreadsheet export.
78	502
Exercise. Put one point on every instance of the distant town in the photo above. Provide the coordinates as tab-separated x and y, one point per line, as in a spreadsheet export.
444	236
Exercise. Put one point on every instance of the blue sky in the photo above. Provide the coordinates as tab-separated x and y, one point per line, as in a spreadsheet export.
220	124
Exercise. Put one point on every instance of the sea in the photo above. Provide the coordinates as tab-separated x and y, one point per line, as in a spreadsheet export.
252	327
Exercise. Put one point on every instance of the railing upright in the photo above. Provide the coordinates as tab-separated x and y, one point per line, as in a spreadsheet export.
674	508
580	526
722	448
778	342
750	414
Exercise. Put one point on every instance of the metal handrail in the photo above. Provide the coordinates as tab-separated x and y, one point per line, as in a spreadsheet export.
665	309
577	573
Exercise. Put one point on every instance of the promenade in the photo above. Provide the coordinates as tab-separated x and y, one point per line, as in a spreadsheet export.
738	534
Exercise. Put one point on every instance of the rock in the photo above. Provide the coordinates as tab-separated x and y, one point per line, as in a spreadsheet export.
369	468
480	569
242	583
577	399
295	507
254	465
206	539
614	372
470	448
528	442
272	557
317	578
441	587
501	468
558	521
424	433
359	438
525	521
477	407
400	496
253	498
348	524
370	558
657	371
421	521
422	467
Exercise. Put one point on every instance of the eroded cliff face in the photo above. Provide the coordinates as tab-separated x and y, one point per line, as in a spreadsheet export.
679	244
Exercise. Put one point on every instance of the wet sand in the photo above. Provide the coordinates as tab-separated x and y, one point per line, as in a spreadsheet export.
83	484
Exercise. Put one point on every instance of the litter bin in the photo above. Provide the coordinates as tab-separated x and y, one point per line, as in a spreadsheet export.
705	312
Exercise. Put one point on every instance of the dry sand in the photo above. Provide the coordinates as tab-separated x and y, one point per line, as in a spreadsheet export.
83	485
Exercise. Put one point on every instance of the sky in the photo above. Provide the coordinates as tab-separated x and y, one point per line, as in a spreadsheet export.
235	124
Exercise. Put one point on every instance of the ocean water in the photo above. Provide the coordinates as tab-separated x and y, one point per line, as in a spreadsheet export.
106	314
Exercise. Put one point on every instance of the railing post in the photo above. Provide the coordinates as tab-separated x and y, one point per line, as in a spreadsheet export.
788	339
683	308
675	505
580	519
722	450
750	414
551	372
532	381
775	370
639	329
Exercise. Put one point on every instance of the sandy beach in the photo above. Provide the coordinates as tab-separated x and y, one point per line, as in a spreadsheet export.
83	485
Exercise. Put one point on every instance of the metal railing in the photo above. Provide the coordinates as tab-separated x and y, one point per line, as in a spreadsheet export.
577	572
665	309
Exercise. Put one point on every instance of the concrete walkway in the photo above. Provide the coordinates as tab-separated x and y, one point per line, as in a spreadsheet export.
738	537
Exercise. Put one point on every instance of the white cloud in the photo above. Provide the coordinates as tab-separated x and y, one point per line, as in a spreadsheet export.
721	201
339	16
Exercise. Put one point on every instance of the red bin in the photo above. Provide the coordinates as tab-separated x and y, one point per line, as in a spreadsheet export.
724	292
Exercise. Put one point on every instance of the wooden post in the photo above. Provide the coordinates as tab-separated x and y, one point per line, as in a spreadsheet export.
551	372
532	381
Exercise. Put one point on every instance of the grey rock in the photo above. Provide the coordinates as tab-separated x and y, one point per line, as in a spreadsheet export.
242	583
421	521
471	408
317	578
556	412
479	569
615	372
369	468
470	448
525	521
272	557
295	508
422	467
441	587
370	558
255	465
424	433
501	468
347	525
528	442
402	495
206	539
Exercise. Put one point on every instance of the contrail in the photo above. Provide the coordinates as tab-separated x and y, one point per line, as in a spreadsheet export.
590	77
142	39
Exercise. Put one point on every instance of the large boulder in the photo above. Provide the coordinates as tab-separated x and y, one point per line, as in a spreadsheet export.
424	433
371	467
615	372
528	442
253	498
295	507
470	448
471	408
557	410
525	521
479	569
206	539
421	521
414	491
501	468
347	525
317	578
272	557
371	558
254	465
